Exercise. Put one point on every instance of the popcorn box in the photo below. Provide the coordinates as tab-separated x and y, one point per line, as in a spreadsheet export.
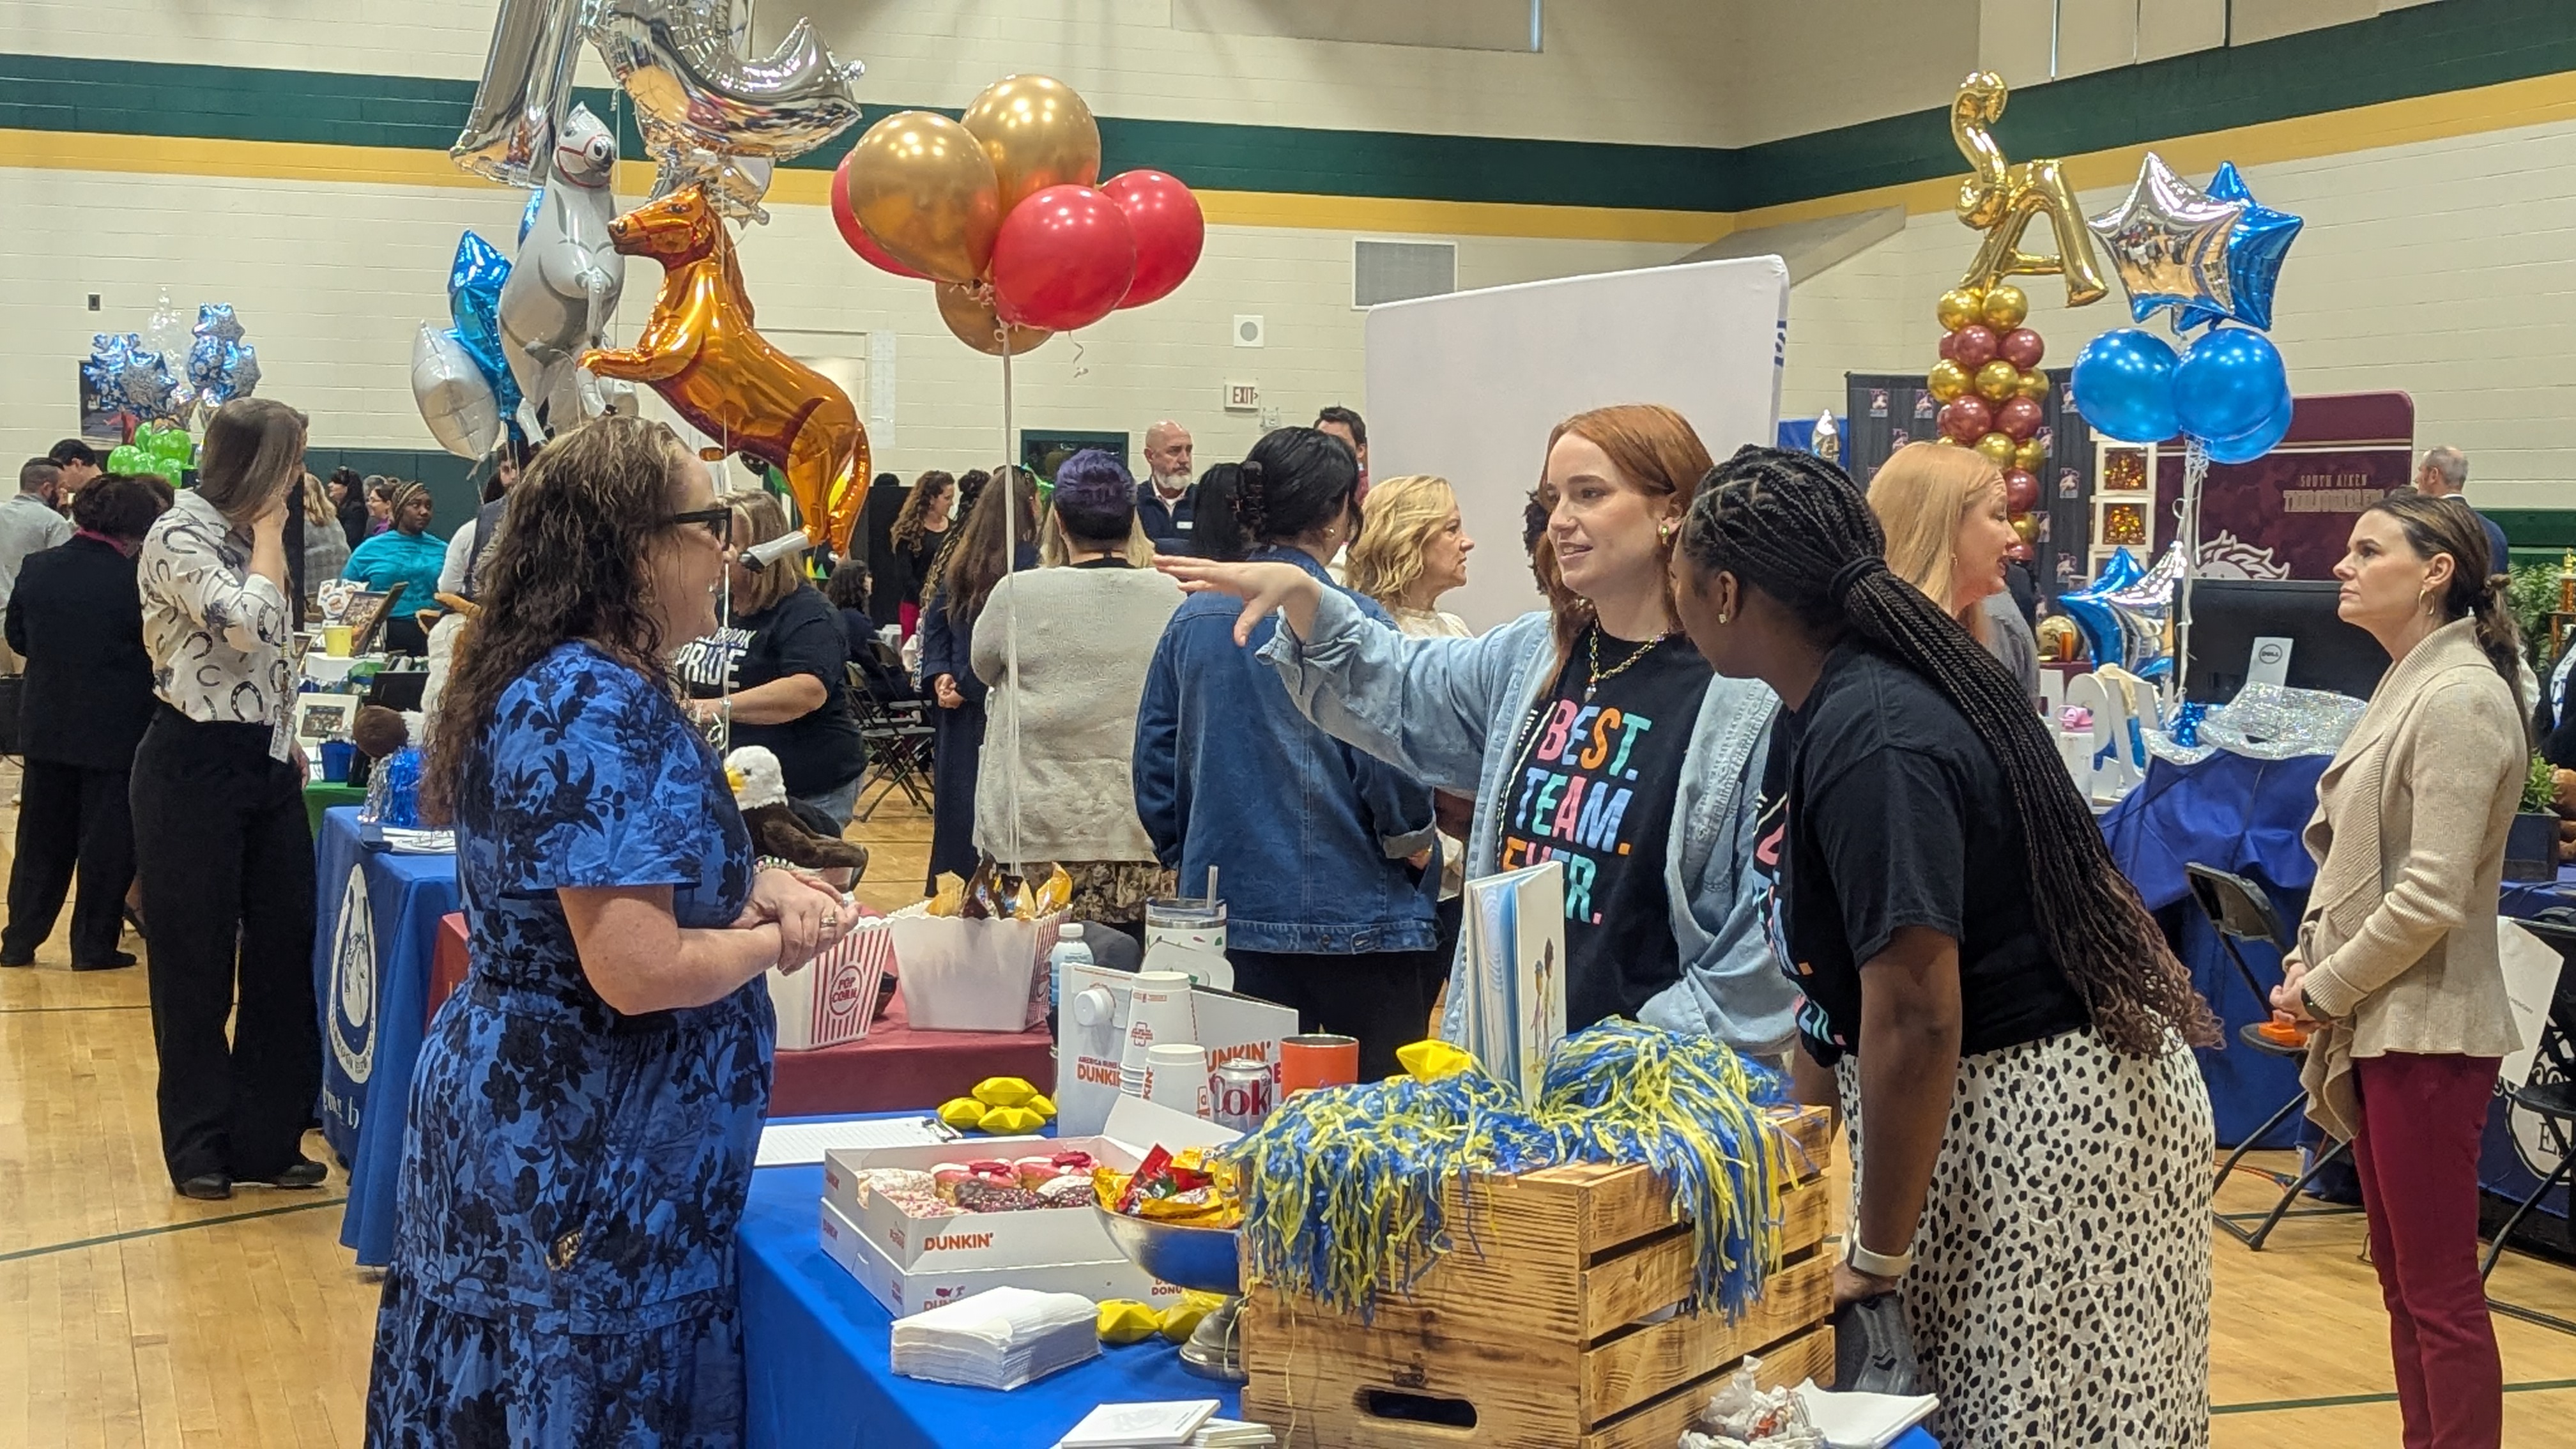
961	975
905	1292
832	1001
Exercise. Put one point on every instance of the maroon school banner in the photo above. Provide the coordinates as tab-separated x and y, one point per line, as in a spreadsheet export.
2288	514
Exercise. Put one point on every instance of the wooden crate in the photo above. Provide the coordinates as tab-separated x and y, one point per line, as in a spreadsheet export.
1537	1327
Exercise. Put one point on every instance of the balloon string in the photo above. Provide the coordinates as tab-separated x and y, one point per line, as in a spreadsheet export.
2195	469
1010	608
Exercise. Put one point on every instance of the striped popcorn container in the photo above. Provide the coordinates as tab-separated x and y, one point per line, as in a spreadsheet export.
831	1001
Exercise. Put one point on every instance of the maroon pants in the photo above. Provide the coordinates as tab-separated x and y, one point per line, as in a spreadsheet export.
2417	1154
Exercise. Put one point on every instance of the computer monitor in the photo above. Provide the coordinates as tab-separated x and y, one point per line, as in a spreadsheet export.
2229	615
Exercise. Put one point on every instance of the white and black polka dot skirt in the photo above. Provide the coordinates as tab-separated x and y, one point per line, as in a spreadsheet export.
2060	1289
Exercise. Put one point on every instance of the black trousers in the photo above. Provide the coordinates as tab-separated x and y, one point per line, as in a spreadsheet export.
226	858
70	818
1375	996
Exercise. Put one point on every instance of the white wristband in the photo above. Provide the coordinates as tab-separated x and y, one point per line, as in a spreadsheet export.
1879	1265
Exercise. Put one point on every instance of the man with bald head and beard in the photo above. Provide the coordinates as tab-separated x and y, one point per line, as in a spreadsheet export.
1169	496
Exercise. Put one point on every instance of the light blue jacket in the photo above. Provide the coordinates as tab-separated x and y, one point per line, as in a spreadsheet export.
1445	710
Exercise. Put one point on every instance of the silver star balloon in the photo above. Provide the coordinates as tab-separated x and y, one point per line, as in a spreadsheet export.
2168	242
216	320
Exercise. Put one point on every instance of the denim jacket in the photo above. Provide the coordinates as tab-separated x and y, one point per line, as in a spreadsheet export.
1445	711
1310	835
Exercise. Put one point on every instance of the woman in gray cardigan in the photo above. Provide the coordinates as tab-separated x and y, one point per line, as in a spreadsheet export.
1589	732
1086	635
2396	963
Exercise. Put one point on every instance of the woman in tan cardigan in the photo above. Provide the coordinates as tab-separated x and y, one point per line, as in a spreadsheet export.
2396	962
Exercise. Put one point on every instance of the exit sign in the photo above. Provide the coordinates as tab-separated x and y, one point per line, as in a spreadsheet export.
1242	397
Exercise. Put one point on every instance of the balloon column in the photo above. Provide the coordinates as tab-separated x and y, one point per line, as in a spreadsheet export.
999	210
1993	395
162	448
221	366
2214	257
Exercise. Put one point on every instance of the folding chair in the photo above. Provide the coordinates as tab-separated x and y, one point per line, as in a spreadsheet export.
2239	911
2553	1101
898	737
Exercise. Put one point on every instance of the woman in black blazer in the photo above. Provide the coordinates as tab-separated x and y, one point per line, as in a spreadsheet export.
76	618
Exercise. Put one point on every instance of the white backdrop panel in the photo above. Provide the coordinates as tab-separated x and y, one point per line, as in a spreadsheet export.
1468	385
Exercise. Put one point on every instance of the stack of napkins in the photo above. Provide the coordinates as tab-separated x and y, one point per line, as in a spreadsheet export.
1000	1338
1851	1420
1169	1424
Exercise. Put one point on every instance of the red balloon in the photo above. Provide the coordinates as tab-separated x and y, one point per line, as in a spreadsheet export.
1975	346
1966	419
2018	418
857	235
2021	491
1064	259
1169	229
2021	347
1950	345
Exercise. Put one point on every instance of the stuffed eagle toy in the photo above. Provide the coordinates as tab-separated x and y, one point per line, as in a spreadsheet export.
776	829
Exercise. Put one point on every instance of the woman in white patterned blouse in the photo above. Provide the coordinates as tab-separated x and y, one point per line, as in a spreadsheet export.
221	842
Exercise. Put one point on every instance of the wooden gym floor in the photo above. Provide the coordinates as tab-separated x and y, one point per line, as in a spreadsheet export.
130	1316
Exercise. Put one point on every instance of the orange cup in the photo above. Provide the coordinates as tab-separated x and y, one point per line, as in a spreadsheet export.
1318	1059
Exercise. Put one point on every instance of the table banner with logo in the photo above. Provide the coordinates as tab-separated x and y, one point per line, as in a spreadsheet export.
371	965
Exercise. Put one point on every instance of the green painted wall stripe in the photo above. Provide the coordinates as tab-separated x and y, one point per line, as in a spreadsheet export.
2421	51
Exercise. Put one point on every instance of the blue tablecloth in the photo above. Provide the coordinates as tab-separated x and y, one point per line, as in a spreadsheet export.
379	922
817	1353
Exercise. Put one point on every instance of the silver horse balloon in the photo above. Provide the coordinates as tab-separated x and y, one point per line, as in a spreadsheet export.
697	97
563	288
526	91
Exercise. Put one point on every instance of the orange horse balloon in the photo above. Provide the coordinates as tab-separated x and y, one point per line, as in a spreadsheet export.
700	351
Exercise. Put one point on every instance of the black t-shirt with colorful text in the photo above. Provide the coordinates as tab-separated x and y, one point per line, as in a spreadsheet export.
1592	786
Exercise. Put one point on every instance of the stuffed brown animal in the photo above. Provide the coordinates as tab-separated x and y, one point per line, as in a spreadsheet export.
761	790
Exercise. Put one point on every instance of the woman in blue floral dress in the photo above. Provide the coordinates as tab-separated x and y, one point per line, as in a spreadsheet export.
584	1111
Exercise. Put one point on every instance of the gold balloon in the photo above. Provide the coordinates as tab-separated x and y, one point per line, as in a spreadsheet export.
2033	385
2001	199
968	311
1958	307
1997	379
2030	457
1038	133
1945	441
1948	379
2006	306
1998	448
2025	526
920	185
700	351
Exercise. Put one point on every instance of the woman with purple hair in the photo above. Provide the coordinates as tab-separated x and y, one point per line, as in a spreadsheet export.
1065	650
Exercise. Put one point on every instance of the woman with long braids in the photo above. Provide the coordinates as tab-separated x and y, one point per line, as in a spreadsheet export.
2007	1033
1587	732
2396	963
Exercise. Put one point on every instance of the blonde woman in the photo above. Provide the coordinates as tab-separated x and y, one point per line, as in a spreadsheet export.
1413	549
776	673
326	548
1949	534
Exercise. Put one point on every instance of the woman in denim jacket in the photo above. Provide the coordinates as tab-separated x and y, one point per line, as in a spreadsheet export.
1590	733
1324	852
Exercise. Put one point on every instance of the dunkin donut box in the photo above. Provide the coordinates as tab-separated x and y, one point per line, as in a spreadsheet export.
1043	1249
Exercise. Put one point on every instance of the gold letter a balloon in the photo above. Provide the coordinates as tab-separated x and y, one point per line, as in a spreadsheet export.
1038	133
921	186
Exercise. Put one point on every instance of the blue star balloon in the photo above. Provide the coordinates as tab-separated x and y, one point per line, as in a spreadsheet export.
216	320
104	369
474	303
2105	637
528	213
150	392
2255	251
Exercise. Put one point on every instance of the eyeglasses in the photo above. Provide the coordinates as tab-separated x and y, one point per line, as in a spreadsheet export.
718	522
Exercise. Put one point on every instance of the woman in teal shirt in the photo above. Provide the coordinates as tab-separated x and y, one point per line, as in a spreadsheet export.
406	553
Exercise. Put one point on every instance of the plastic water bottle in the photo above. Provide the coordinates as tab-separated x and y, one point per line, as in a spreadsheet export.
1069	951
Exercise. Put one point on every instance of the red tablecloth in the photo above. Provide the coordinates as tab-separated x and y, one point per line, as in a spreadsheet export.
896	1069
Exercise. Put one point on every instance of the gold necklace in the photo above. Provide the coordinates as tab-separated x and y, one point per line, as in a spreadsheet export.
1592	656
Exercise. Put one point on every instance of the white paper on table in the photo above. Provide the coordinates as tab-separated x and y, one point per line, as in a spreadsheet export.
1129	1426
1863	1421
2531	966
799	1144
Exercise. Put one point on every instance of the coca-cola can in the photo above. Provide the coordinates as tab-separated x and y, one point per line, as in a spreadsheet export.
1245	1094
